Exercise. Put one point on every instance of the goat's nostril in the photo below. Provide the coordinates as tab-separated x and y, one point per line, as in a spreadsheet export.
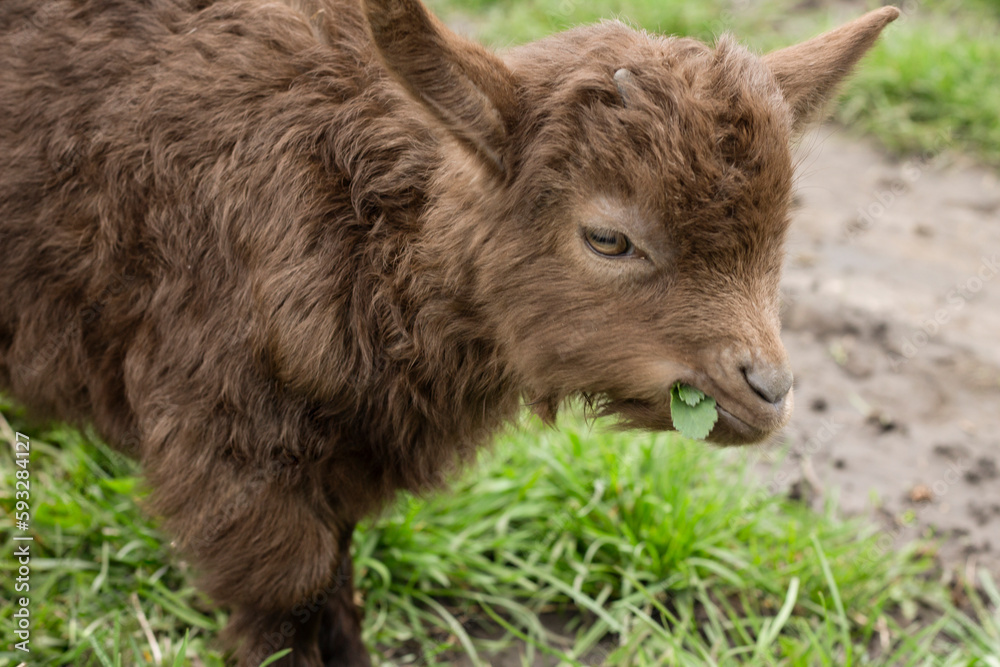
772	383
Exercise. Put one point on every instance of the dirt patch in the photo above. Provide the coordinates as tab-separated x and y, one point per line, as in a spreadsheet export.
892	319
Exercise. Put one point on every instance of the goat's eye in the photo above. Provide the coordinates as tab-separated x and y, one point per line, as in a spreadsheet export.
608	242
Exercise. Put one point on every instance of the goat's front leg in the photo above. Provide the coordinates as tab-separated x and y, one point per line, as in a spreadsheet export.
273	548
328	619
324	629
340	628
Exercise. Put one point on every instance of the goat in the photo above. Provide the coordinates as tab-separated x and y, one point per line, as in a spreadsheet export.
296	256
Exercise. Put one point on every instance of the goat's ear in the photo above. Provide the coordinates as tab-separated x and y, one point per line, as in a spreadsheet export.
809	73
468	88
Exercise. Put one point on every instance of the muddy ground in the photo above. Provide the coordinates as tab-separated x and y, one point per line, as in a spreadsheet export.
892	323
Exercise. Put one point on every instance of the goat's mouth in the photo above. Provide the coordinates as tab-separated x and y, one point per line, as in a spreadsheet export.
654	415
731	430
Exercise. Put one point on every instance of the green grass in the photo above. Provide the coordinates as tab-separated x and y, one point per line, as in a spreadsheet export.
651	550
929	86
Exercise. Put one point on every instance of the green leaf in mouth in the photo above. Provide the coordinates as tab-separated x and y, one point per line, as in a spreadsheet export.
692	412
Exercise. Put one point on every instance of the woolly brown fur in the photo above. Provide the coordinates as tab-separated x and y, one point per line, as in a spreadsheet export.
297	256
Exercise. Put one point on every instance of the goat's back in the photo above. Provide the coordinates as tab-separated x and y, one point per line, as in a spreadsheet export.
169	172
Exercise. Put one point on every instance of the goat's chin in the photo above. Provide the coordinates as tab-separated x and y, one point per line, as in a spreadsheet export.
733	431
729	430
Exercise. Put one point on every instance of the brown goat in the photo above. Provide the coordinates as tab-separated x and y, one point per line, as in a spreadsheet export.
298	255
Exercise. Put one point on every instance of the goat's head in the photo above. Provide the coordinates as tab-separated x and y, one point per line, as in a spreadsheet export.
615	204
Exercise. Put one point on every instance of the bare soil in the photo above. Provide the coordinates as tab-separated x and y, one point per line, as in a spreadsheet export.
892	321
